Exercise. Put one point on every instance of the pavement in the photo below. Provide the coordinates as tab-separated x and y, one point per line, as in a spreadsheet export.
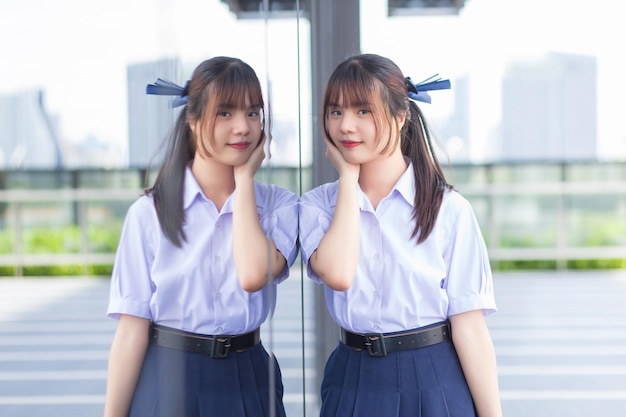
560	341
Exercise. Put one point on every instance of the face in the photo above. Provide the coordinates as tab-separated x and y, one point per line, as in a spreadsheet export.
236	133
353	130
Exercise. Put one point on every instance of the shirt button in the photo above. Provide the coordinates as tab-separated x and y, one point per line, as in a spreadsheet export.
377	327
219	329
376	293
218	294
376	256
218	258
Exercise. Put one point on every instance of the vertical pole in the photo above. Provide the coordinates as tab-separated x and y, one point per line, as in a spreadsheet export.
561	221
335	35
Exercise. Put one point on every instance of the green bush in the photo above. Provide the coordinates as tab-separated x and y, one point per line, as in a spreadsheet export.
596	263
52	270
100	270
104	239
58	241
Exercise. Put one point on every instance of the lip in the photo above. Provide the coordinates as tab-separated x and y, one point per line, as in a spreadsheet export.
349	143
240	146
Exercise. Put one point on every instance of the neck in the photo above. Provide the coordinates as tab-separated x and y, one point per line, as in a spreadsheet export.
377	178
216	180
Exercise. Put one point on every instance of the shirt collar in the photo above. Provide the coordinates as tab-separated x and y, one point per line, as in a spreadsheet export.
192	190
405	186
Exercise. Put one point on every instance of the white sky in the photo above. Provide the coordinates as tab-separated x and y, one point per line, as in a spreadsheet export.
77	51
488	34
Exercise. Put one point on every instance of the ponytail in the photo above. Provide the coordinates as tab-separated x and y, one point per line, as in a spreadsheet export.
169	183
430	181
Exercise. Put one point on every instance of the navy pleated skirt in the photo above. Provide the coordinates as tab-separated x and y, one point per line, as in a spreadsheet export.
423	382
174	383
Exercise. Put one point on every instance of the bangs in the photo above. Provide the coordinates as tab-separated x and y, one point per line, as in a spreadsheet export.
351	89
231	89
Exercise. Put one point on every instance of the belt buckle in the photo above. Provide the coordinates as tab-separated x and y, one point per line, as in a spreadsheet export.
220	347
375	344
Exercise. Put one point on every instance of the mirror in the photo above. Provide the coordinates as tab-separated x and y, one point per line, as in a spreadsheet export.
75	117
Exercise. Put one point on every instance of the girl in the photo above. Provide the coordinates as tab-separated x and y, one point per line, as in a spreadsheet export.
190	282
402	258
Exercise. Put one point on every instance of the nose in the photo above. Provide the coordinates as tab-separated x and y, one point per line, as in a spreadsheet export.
241	124
347	123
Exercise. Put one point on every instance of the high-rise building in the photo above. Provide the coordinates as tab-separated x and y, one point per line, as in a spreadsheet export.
549	109
28	134
150	117
454	134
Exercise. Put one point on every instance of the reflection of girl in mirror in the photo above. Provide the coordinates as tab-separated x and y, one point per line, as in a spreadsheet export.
404	265
190	280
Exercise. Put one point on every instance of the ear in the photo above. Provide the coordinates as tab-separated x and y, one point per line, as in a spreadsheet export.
401	119
192	124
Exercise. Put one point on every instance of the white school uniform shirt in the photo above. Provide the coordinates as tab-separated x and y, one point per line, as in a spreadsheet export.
399	284
195	288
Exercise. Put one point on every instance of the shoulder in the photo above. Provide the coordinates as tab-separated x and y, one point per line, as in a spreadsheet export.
143	205
141	224
456	212
454	206
273	196
142	210
324	195
453	201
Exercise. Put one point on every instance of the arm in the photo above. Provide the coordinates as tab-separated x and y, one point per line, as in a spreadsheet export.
473	344
125	361
336	258
254	254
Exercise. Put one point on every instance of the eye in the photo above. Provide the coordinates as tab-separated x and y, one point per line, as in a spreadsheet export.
335	112
254	114
223	113
364	111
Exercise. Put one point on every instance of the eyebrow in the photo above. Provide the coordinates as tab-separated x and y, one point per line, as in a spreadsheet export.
356	104
231	106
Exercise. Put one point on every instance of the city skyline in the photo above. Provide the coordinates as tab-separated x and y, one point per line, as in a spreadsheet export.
85	85
542	120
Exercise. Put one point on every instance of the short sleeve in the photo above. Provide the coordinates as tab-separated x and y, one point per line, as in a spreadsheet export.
131	287
315	216
280	222
469	282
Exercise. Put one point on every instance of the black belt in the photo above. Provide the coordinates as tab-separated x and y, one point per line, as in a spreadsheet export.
379	344
217	346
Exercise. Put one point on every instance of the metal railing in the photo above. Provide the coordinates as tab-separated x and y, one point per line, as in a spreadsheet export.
527	219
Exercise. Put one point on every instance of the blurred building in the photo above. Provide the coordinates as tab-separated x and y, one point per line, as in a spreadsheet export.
150	117
454	135
549	110
28	134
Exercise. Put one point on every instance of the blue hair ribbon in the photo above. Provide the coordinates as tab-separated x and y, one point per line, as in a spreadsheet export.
418	92
163	87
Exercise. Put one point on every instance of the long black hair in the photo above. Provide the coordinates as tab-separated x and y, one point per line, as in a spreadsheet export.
215	82
370	78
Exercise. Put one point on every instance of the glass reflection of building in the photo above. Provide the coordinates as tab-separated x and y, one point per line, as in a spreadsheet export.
549	110
149	117
28	133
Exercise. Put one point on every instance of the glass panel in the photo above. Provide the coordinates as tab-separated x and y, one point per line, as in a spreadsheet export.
74	116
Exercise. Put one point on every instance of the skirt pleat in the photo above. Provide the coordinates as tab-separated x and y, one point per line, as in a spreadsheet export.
174	383
424	382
